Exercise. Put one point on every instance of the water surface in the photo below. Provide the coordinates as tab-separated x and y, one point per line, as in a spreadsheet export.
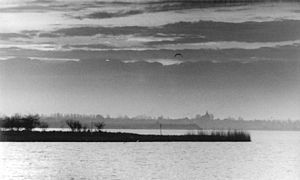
270	155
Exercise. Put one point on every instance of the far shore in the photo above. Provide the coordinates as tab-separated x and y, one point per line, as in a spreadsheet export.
99	136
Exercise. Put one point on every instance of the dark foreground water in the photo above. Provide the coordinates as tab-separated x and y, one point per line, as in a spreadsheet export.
270	155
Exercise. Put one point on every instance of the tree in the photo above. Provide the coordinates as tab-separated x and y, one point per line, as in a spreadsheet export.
14	122
17	122
30	122
74	125
8	123
99	125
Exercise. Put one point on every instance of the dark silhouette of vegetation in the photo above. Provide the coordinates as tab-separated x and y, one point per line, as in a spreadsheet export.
99	126
12	123
74	125
18	122
30	121
231	134
89	136
80	133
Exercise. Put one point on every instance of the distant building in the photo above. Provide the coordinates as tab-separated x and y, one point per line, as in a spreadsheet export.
203	121
207	117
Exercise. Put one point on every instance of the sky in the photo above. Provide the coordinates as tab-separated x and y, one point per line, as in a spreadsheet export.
117	58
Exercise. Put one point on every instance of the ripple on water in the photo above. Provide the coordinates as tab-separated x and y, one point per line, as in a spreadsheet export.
271	155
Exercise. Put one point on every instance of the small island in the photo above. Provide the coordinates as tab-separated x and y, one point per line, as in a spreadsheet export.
19	128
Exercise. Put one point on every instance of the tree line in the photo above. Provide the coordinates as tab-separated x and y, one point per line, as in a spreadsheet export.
19	122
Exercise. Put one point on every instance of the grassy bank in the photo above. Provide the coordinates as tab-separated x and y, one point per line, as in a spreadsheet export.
60	136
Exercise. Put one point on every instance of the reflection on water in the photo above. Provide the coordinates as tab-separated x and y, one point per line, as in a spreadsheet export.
271	155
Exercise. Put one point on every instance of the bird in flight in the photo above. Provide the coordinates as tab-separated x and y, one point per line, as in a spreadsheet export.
178	54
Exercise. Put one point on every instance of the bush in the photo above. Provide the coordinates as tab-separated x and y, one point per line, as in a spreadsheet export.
99	125
74	125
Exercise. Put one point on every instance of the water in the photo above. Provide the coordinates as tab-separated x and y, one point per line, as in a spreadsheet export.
270	155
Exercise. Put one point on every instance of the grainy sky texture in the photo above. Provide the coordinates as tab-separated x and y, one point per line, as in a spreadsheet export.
117	58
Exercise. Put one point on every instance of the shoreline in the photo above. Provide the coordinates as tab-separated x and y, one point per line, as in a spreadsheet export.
88	136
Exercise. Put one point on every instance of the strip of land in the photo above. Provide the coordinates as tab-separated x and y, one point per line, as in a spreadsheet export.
88	136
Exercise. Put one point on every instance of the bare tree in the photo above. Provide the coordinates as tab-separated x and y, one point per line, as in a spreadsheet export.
74	125
99	126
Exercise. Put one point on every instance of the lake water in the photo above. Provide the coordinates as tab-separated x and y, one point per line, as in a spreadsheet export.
270	155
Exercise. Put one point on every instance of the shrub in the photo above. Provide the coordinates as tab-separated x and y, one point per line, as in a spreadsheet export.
99	125
74	125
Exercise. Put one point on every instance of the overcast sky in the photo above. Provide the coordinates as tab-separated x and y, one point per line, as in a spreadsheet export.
117	58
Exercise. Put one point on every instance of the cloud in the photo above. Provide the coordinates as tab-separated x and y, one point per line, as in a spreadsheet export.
33	6
226	45
176	36
40	47
8	36
200	31
88	46
48	35
103	15
287	53
52	59
150	7
246	32
165	62
6	57
138	7
90	31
